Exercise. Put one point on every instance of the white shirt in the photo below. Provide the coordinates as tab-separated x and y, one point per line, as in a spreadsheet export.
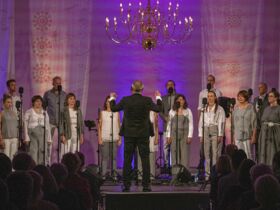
106	129
187	113
211	118
73	120
203	94
33	119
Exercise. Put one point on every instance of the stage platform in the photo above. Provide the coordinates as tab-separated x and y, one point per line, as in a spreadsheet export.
163	197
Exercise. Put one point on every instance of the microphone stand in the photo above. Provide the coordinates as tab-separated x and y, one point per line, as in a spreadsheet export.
113	174
203	186
201	169
260	107
59	123
175	180
98	146
44	113
159	165
21	145
77	130
168	146
231	125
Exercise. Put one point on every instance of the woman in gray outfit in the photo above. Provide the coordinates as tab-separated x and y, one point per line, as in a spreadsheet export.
9	128
72	132
269	139
179	132
37	130
244	123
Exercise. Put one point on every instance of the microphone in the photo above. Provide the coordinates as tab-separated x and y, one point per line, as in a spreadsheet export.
170	90
260	102
204	101
77	103
20	90
18	103
45	104
209	86
250	92
177	105
59	88
233	101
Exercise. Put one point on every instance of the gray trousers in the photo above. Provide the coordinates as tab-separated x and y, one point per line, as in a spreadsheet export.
36	147
182	153
212	149
106	152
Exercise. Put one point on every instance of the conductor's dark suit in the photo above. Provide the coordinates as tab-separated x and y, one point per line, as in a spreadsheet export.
136	129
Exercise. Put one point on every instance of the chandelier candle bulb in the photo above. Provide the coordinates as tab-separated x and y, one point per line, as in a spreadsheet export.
107	23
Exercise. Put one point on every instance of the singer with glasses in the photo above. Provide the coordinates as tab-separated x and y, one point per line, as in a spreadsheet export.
108	136
72	129
269	139
8	128
244	123
180	132
167	102
213	126
12	91
54	101
37	130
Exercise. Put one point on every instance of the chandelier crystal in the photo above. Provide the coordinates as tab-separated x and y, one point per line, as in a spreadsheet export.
148	26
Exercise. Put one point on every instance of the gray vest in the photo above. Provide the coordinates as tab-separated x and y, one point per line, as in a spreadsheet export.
9	124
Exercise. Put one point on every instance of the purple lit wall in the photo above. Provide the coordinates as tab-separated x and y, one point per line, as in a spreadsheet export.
236	40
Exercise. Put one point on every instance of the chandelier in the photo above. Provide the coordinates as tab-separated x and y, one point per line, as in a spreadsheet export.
148	26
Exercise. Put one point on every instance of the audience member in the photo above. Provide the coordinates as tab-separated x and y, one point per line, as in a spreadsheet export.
49	187
75	182
23	162
231	179
66	199
20	185
37	195
267	191
5	166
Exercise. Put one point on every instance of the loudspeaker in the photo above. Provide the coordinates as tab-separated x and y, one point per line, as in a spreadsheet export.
183	175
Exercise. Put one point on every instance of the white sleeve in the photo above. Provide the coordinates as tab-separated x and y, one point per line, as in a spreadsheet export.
27	116
199	107
190	123
200	125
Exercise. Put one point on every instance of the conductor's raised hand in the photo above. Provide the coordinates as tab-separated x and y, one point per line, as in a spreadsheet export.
113	94
157	93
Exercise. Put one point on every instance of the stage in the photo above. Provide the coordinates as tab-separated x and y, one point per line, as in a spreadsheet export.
163	197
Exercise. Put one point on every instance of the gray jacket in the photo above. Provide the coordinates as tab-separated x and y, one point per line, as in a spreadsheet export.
66	123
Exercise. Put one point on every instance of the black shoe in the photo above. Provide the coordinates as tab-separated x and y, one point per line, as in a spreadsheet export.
126	189
147	189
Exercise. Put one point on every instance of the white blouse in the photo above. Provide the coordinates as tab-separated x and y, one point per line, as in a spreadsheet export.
211	118
187	113
33	119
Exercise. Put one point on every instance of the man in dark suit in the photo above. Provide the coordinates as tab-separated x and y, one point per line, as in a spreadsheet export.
260	103
136	129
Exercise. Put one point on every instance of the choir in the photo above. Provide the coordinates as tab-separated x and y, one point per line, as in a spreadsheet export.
256	123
